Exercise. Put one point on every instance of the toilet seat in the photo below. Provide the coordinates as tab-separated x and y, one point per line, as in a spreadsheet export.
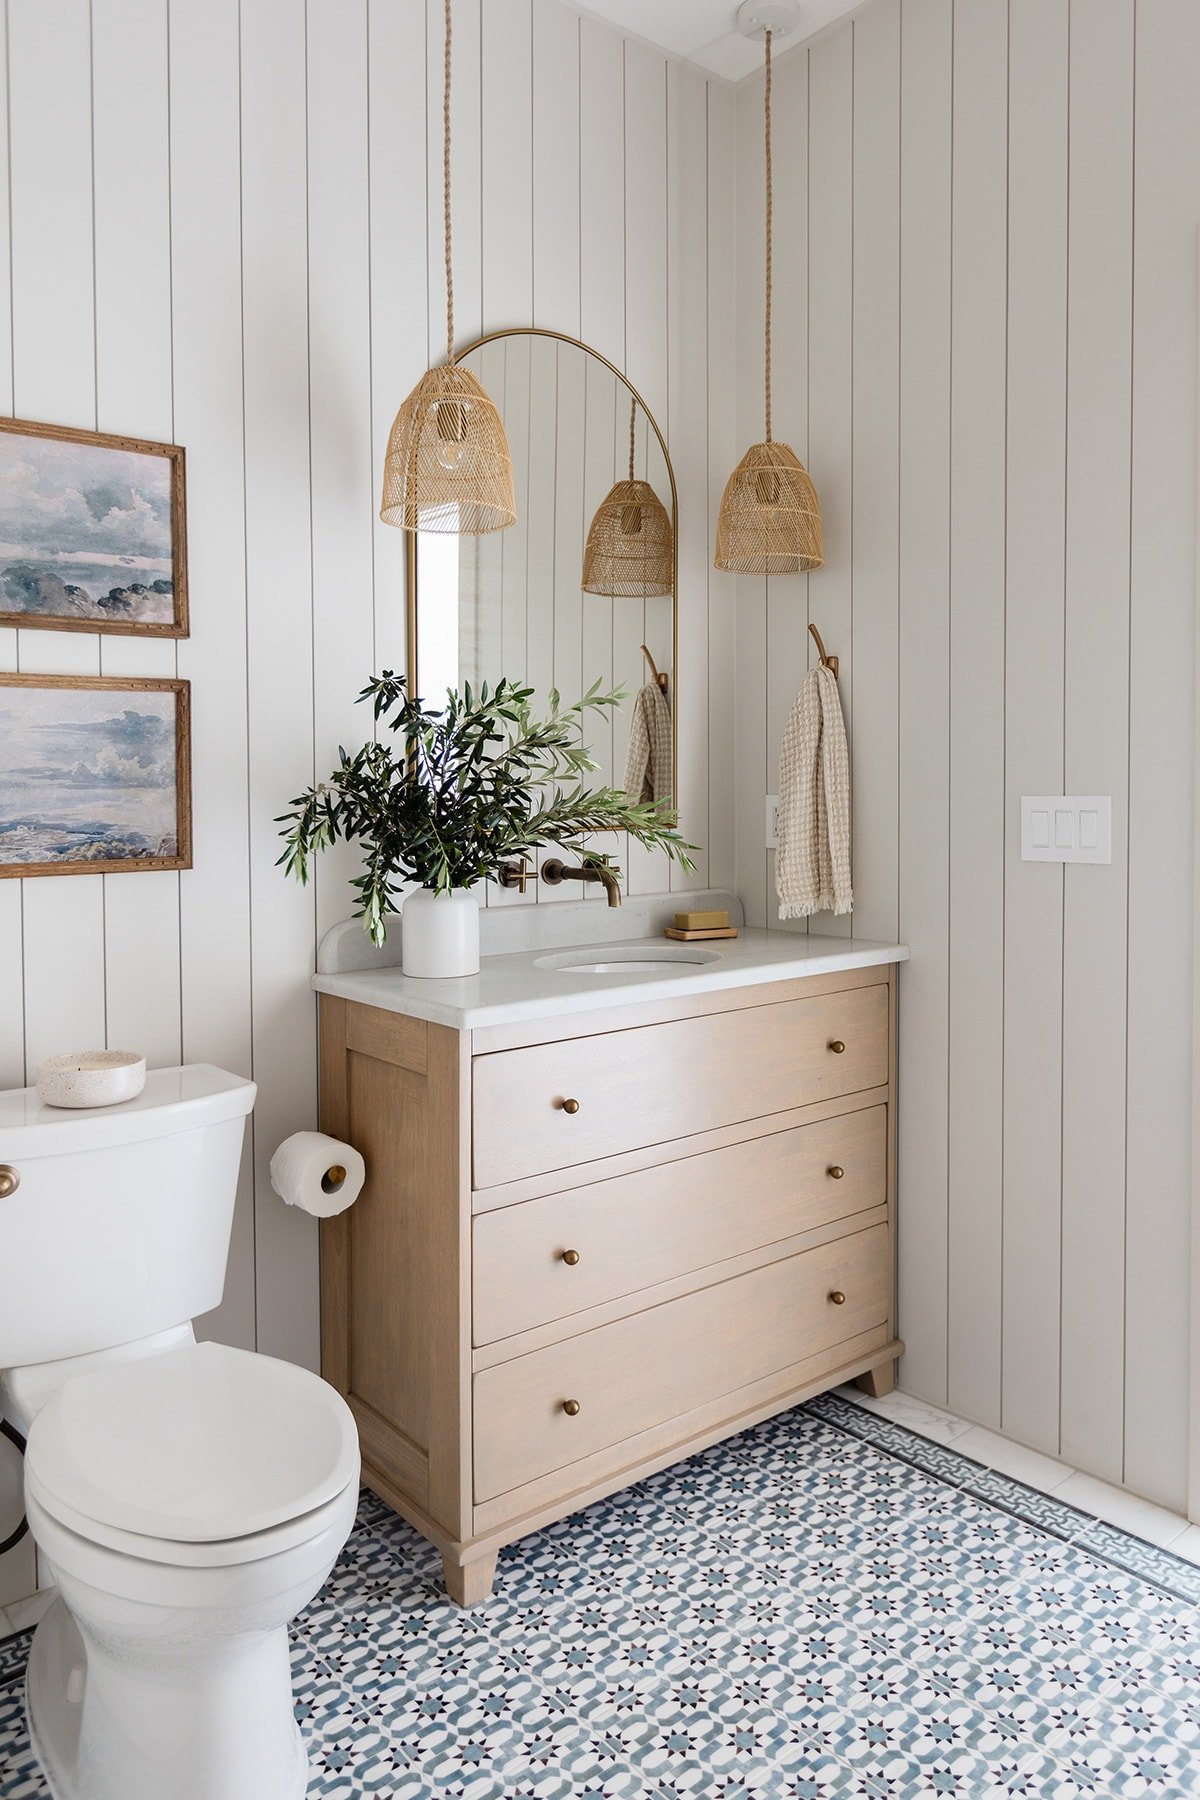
198	1456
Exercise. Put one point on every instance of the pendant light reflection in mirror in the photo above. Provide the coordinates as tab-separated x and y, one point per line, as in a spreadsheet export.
630	549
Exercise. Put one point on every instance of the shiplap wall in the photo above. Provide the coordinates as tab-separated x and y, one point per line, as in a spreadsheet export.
986	238
222	224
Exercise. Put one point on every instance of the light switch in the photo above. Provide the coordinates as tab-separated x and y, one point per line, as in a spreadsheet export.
1066	828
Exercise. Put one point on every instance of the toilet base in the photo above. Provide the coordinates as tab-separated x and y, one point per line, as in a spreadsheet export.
55	1691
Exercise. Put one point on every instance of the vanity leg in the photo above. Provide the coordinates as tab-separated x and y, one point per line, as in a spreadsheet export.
469	1583
877	1382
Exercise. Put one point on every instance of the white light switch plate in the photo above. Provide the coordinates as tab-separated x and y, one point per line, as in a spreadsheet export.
1066	828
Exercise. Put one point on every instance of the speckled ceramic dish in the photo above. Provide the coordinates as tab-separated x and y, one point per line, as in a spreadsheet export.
91	1078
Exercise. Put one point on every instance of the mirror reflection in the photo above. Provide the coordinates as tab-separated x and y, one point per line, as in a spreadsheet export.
582	588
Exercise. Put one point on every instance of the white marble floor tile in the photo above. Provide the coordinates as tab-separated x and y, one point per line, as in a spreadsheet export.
22	1614
1127	1511
1188	1544
917	1415
1017	1460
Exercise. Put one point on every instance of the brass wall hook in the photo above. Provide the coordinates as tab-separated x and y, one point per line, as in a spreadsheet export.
660	680
827	662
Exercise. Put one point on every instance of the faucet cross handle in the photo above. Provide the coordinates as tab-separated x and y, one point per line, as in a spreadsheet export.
516	874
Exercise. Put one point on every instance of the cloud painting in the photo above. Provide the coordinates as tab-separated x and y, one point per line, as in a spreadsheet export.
87	534
90	775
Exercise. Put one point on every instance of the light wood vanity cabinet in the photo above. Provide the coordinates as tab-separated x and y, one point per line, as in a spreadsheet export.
590	1246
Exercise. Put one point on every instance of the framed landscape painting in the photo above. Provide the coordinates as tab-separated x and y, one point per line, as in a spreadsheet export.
95	775
92	532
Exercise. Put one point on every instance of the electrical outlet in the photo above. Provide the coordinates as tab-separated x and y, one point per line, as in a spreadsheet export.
772	821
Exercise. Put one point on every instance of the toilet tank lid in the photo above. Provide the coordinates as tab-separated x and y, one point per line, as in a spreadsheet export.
173	1100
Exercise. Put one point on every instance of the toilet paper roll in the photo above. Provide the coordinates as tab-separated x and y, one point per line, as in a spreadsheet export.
317	1173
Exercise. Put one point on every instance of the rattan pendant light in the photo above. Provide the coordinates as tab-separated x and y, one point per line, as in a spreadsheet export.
630	549
769	522
448	466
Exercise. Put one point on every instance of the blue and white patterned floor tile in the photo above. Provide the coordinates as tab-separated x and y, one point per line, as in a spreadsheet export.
828	1607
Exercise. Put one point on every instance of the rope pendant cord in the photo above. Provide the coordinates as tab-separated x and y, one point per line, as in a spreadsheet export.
446	196
767	331
632	428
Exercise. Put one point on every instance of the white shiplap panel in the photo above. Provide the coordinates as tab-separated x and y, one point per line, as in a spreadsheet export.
755	762
686	427
924	682
466	172
723	451
279	646
206	283
977	528
556	167
1167	170
400	339
569	522
830	376
134	394
1099	323
793	274
506	155
646	363
54	377
1037	353
339	358
12	1012
602	190
876	545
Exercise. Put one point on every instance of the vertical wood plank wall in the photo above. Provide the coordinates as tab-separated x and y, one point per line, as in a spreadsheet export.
986	302
231	238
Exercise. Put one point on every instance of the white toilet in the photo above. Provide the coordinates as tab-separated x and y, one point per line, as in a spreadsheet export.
189	1499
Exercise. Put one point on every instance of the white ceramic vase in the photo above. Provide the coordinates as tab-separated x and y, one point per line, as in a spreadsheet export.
439	933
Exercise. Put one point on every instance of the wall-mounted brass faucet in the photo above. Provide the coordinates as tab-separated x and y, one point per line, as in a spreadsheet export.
555	870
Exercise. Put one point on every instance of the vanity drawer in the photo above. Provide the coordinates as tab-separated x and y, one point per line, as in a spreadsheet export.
549	1106
639	1372
630	1232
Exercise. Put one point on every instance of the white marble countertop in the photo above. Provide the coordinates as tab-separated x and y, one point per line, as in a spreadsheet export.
518	985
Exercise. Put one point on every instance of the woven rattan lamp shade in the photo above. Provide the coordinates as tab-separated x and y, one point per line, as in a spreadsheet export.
769	522
630	550
448	466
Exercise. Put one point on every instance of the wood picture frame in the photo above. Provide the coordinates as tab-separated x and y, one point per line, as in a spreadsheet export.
121	748
118	502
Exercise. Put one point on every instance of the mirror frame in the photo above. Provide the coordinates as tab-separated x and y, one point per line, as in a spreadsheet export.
410	549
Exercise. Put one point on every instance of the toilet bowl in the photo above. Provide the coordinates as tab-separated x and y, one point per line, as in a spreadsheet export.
188	1505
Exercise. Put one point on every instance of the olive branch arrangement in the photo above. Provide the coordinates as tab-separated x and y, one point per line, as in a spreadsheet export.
458	793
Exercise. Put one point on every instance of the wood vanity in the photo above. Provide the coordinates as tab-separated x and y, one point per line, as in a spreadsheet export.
593	1243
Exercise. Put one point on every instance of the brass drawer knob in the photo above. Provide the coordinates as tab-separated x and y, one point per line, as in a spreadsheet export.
570	1257
837	1046
838	1298
835	1172
571	1408
569	1106
10	1180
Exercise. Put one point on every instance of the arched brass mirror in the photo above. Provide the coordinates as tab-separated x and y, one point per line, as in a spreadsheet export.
518	602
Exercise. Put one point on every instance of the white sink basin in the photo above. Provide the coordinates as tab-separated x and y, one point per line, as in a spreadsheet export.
628	959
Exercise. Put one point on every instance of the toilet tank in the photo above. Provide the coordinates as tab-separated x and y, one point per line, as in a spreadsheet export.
119	1225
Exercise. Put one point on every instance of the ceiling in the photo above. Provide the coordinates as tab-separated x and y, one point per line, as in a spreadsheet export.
705	32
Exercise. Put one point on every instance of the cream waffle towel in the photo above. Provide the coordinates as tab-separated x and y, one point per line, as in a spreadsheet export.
650	754
812	863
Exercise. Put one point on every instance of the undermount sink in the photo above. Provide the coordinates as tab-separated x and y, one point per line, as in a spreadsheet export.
628	959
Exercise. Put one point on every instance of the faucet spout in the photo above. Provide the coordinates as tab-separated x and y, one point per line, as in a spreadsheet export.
554	871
